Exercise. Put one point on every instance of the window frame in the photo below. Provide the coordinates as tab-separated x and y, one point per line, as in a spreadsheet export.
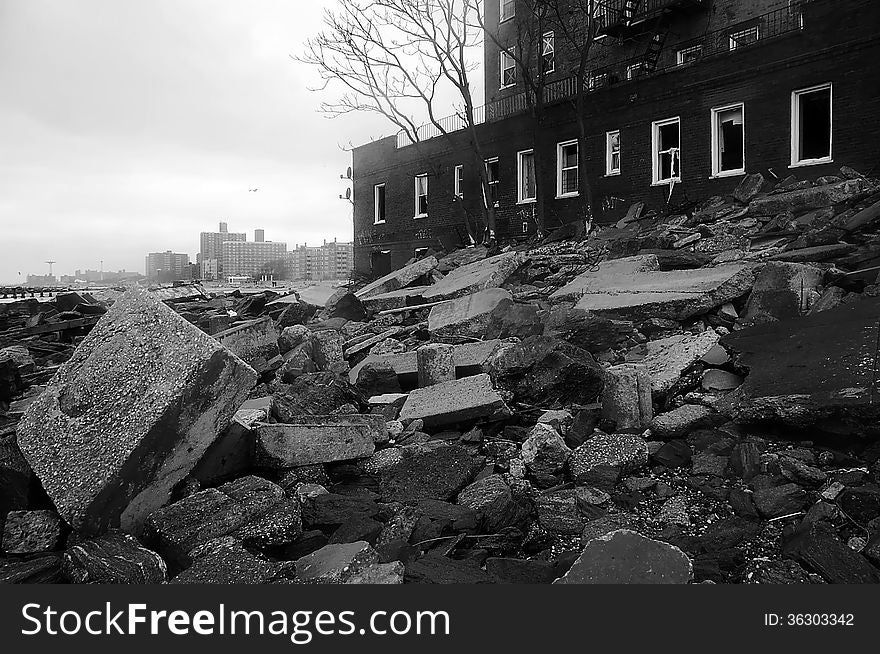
655	153
376	188
715	124
458	181
610	170
694	48
732	42
501	4
493	184
560	169
633	70
520	169
501	69
416	194
796	126
551	53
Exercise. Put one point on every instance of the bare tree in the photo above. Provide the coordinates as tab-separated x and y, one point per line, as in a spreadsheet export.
395	58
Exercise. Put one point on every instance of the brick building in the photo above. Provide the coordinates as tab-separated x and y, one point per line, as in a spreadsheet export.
686	97
168	266
328	261
211	251
254	258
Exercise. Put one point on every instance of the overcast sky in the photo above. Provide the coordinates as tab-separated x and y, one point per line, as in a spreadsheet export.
129	126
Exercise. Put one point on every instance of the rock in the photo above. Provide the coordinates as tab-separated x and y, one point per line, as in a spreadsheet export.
10	378
603	458
720	380
493	499
377	378
326	439
780	500
675	511
542	370
225	561
398	279
468	315
343	304
749	187
254	342
454	401
434	471
15	478
475	277
379	574
520	571
683	420
114	558
436	362
626	398
782	290
606	275
801	473
41	570
436	569
143	381
544	451
232	453
812	197
336	563
327	348
31	532
667	358
862	504
297	362
296	313
625	557
333	509
315	394
292	336
818	548
674	454
709	464
558	512
777	572
442	518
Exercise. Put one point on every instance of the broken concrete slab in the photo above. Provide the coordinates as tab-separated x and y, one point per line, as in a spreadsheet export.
602	459
681	421
226	561
130	414
667	358
626	557
782	290
404	297
398	279
812	371
607	275
336	563
114	558
813	197
334	439
254	342
749	187
454	401
327	348
493	499
436	363
468	315
626	398
477	276
31	532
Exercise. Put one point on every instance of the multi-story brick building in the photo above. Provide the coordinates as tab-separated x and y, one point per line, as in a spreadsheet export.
686	97
211	251
254	258
168	266
328	261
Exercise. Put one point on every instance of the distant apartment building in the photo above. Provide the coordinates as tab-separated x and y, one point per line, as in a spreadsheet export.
211	251
168	266
241	258
328	261
41	280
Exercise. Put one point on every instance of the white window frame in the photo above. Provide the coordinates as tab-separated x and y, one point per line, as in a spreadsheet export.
501	68
796	126
596	80
501	4
631	69
655	153
549	38
610	170
458	176
520	169
733	44
679	55
559	169
416	194
376	188
525	227
716	141
493	183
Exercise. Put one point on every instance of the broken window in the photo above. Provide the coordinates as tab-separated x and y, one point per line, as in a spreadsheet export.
612	153
380	262
492	172
636	70
379	204
421	196
667	153
811	125
507	9
507	70
686	55
459	181
526	176
744	37
567	169
548	52
597	80
420	252
728	140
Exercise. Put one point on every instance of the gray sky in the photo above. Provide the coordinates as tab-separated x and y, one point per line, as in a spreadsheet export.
129	126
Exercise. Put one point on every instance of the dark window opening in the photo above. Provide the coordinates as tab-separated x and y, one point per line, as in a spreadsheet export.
814	126
380	204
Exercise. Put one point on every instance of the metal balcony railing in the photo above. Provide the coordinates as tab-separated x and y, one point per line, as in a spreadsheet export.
731	39
623	13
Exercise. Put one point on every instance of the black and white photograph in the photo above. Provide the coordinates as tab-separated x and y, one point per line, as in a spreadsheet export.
299	297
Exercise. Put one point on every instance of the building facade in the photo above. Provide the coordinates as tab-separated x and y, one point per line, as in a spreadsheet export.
685	98
254	259
211	251
167	266
333	260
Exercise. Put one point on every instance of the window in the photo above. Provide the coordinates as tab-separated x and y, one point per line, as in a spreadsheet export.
548	52
507	9
811	115
525	174
666	151
420	252
379	204
525	227
636	69
744	37
459	181
421	196
612	153
507	70
567	169
728	141
492	172
686	55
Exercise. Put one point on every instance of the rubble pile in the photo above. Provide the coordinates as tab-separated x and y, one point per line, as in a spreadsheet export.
679	398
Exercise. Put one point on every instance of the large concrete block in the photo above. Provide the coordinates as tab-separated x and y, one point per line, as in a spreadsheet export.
319	439
814	197
667	358
130	414
254	342
476	276
454	401
468	315
398	279
782	290
607	275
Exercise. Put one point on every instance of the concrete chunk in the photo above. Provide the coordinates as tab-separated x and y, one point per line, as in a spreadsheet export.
474	277
468	315
398	279
254	342
334	439
469	359
607	276
454	401
813	197
667	358
130	414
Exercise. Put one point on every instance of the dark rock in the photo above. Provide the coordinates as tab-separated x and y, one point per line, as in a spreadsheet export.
298	313
10	379
436	569
334	509
358	528
335	563
344	304
377	378
521	571
226	561
558	511
31	532
114	558
315	394
778	572
861	504
729	532
605	457
495	501
819	549
674	454
42	570
780	500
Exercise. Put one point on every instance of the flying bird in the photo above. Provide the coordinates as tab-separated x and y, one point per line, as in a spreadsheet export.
253	190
